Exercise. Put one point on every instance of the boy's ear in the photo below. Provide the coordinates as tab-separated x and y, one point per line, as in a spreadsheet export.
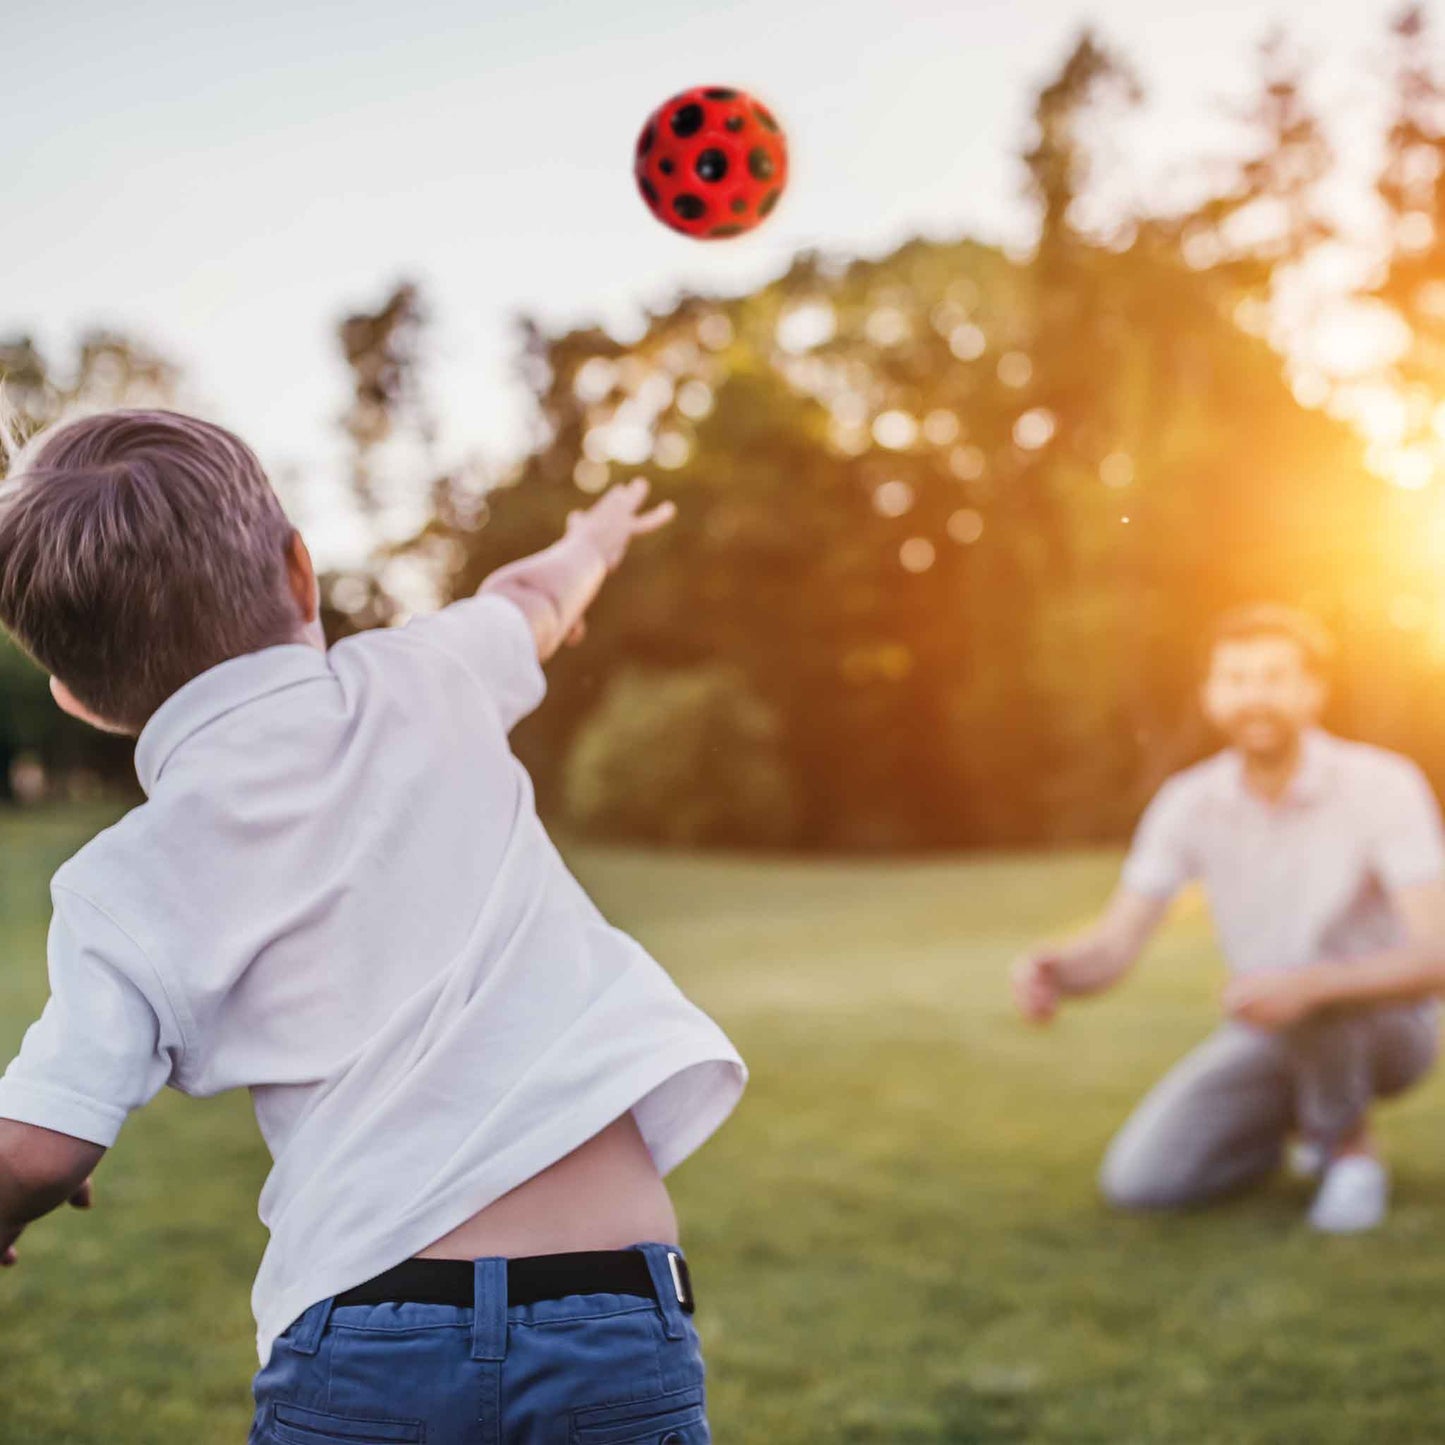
301	578
69	703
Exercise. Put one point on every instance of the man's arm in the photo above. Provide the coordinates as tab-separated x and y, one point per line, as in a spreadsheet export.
1278	998
1090	962
555	587
39	1171
1159	864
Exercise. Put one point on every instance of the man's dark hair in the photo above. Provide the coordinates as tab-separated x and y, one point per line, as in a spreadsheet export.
138	549
1273	619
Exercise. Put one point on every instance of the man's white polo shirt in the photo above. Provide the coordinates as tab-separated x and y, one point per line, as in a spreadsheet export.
1303	880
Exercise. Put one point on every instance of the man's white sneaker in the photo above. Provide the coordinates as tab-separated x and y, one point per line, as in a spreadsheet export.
1353	1196
1305	1159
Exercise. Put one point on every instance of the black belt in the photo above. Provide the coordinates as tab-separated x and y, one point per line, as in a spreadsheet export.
539	1277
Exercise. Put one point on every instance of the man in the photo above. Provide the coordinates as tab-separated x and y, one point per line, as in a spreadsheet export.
1324	865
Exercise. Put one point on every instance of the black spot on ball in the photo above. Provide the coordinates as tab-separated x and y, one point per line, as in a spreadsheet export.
648	189
760	164
720	92
721	231
665	166
644	143
763	115
739	206
688	121
689	207
734	123
711	165
769	201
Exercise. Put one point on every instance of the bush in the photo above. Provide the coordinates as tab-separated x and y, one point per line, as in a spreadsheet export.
685	758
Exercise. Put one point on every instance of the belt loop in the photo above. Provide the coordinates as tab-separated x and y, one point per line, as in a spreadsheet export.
674	1289
489	1309
311	1326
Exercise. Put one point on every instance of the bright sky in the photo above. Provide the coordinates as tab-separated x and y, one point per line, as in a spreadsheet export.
227	181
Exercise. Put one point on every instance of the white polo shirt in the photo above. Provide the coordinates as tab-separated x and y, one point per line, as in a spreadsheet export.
338	895
1305	879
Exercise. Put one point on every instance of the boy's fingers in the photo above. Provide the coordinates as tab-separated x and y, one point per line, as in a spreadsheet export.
631	495
659	516
624	494
8	1257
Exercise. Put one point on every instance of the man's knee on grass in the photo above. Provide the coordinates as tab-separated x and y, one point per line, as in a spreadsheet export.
1135	1184
1147	1171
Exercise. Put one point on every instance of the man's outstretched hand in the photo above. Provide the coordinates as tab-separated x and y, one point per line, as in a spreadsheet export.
1089	962
617	517
1035	983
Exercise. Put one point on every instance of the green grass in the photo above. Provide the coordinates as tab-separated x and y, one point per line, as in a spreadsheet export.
896	1239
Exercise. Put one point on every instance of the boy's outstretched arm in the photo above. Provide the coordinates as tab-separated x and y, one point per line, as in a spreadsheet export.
39	1171
555	587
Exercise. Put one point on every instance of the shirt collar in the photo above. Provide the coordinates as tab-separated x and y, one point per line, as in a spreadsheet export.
1312	777
217	691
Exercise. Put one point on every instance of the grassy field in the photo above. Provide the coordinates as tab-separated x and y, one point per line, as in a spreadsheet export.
896	1239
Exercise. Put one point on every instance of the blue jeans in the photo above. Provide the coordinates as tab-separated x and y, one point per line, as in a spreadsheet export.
598	1369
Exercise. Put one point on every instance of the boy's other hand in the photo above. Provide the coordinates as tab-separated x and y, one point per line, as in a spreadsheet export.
617	517
83	1198
40	1169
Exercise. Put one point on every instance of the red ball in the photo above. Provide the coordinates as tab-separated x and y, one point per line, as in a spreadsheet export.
711	162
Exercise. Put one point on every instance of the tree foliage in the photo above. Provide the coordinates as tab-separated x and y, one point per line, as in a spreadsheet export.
960	519
952	521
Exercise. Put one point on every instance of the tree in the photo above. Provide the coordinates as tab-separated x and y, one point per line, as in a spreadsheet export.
915	492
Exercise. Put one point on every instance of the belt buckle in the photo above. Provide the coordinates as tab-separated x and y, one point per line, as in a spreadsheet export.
681	1281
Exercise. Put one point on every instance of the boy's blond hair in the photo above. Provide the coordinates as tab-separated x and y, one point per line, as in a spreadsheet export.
138	549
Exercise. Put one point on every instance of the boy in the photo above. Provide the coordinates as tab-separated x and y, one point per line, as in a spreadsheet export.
339	896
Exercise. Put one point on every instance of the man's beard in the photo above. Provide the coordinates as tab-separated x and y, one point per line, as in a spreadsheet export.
1267	748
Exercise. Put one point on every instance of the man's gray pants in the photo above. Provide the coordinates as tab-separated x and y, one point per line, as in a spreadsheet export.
1220	1119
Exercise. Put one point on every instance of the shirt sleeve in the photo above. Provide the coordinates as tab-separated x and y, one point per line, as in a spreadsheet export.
1408	842
491	635
1161	860
105	1043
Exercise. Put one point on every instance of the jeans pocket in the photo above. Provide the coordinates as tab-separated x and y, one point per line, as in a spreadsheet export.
677	1419
295	1425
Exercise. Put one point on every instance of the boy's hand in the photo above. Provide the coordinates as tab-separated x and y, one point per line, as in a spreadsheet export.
83	1198
40	1169
617	517
555	587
